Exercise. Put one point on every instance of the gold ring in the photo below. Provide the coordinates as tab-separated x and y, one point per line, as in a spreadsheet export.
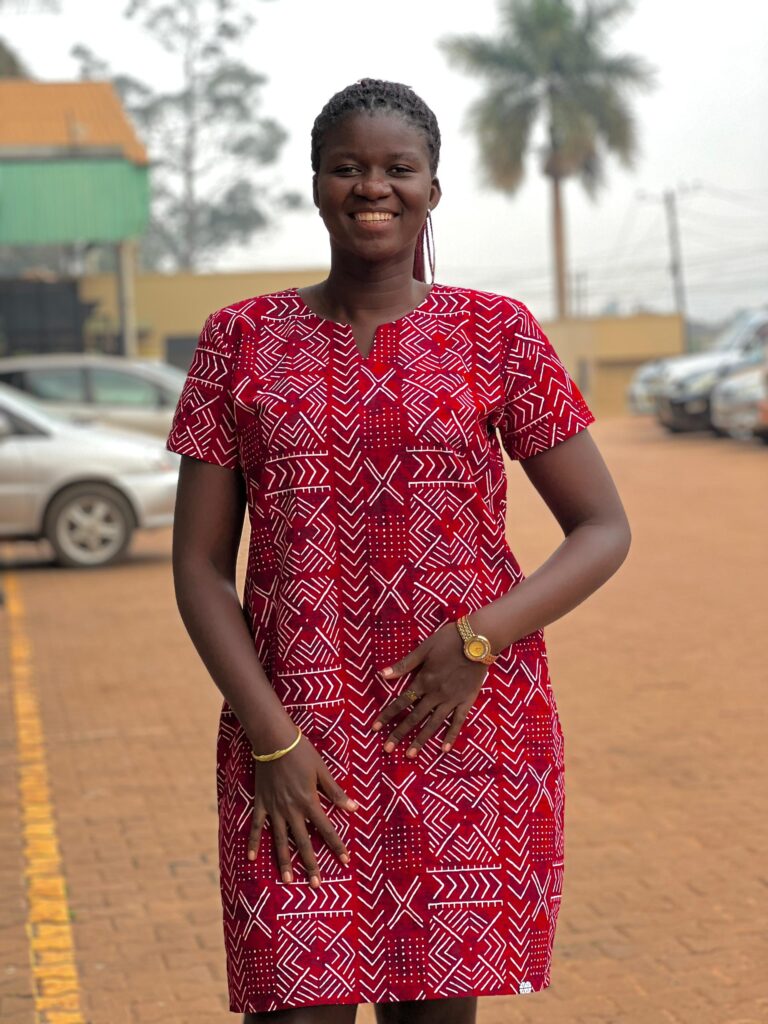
411	695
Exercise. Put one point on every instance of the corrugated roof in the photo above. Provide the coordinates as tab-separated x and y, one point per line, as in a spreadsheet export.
71	116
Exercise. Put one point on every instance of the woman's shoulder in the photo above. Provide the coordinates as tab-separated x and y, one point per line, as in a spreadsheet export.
482	295
247	312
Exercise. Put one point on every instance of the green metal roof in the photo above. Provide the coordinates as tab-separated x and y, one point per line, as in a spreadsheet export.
57	200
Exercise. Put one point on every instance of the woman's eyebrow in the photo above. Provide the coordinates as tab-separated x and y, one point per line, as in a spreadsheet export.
348	154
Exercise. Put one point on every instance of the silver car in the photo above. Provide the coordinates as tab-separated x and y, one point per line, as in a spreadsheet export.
132	394
738	401
641	394
84	489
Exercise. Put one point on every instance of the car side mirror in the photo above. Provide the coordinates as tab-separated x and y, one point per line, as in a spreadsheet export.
6	426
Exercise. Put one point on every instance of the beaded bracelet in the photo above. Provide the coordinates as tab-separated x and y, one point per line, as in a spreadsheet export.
277	753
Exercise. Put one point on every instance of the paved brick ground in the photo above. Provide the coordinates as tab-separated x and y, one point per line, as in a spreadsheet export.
658	679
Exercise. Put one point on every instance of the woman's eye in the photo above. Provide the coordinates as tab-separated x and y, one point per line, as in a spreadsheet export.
345	169
401	170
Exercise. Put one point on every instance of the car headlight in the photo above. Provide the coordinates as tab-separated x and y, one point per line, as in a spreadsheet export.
698	385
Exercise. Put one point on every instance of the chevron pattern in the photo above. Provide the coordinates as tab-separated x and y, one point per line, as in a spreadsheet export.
377	501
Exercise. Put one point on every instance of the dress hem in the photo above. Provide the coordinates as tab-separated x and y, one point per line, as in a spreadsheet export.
274	1008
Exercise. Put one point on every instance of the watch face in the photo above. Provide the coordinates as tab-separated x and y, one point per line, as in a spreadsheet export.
477	648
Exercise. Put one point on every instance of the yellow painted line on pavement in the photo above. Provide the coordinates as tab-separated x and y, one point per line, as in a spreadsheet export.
51	949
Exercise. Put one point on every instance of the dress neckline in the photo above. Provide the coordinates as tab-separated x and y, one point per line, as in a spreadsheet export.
345	329
386	323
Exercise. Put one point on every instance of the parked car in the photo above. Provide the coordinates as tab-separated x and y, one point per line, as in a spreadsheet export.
684	389
736	403
133	394
84	488
641	394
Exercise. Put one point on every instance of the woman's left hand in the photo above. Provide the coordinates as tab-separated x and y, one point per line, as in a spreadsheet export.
447	683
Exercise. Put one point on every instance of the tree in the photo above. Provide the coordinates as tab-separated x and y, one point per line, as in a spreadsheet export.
207	139
11	66
549	63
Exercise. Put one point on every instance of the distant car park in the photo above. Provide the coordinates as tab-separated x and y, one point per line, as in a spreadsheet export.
132	394
83	488
677	389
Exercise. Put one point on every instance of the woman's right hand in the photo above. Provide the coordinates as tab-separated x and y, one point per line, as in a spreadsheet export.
286	791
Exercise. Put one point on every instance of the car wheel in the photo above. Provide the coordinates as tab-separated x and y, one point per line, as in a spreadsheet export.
671	428
89	525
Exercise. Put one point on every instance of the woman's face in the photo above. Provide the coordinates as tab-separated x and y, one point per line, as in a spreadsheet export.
374	185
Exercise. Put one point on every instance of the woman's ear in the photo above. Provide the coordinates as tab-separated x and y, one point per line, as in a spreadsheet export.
435	193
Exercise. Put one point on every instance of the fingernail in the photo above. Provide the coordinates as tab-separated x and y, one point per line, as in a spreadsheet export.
389	746
386	671
447	747
314	881
352	805
344	858
376	726
412	752
287	876
251	855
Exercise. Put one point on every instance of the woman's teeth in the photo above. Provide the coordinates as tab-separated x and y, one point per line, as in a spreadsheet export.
373	216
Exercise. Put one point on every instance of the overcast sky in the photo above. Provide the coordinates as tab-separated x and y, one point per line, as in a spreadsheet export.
706	122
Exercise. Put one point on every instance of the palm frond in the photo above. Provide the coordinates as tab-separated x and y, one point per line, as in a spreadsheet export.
502	123
487	58
625	69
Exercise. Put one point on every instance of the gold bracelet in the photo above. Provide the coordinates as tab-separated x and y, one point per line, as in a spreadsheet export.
277	753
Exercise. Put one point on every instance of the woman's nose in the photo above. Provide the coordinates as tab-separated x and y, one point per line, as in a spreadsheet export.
372	186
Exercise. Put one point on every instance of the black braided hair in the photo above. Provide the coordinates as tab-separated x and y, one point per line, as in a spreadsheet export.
375	95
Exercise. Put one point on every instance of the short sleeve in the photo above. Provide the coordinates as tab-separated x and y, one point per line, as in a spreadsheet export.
204	421
543	405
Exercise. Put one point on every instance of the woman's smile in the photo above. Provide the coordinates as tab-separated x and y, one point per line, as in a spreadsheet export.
373	219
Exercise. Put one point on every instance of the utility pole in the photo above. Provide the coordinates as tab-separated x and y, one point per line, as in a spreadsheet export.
676	260
669	199
579	292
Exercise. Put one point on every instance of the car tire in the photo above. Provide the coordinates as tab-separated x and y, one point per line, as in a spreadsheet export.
89	525
671	428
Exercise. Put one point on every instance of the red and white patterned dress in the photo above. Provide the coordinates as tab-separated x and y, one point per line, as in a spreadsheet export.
377	500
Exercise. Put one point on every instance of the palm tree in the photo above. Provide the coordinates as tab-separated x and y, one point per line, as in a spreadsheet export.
550	63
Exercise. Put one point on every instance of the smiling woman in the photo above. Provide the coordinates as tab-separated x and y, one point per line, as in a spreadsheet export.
361	422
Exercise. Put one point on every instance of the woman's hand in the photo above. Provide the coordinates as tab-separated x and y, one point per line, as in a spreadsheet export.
286	791
447	683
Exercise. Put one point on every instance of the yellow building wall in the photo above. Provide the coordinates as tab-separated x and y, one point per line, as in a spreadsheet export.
601	353
178	304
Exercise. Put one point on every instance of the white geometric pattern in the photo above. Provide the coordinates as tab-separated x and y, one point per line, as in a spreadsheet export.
377	500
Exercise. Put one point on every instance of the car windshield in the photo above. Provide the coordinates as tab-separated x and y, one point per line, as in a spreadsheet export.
170	374
24	405
736	332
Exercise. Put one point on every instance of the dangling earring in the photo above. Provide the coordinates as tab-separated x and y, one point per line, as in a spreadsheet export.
429	238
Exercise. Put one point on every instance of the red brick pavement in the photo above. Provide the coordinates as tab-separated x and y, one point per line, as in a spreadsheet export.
658	679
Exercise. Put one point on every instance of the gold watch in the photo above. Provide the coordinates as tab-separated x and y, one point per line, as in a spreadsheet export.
476	647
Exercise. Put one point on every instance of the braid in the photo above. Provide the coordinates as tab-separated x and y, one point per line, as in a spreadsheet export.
374	95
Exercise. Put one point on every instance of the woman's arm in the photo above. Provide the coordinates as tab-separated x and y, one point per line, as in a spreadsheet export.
208	524
578	489
576	485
